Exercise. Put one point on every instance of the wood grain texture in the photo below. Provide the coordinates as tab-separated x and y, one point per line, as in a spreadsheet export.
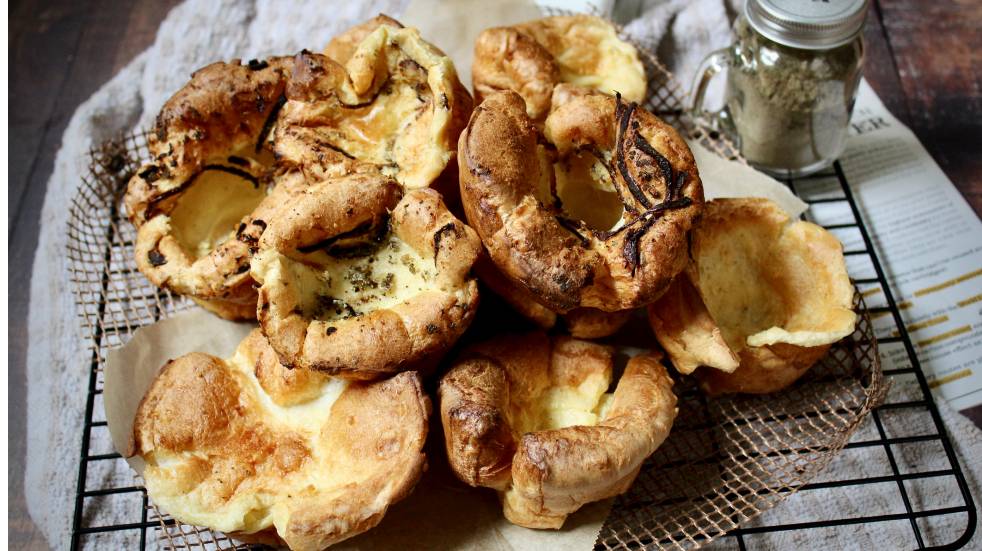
61	52
936	48
923	60
879	68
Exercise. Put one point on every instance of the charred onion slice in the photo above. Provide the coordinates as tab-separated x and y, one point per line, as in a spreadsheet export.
508	174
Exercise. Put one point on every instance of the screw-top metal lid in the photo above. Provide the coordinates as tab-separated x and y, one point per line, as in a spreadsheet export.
808	24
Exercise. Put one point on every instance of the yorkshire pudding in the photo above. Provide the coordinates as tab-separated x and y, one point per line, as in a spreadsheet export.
531	418
198	205
381	96
582	323
594	211
360	281
532	58
762	300
278	456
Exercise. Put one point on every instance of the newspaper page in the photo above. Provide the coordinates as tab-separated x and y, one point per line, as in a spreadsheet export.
928	240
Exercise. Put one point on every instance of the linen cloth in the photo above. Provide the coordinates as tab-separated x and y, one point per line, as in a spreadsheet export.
198	32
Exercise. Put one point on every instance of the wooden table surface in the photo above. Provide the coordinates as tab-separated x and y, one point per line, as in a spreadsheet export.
923	60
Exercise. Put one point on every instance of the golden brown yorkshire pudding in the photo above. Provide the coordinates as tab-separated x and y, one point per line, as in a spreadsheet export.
594	211
199	204
532	419
360	281
532	58
762	300
582	323
387	98
278	456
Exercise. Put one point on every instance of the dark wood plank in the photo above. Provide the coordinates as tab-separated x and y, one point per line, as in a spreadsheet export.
975	414
63	52
937	48
879	68
884	76
42	41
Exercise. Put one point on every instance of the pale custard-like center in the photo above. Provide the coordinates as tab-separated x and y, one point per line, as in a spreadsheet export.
251	511
725	268
379	124
561	406
211	209
600	60
586	191
569	406
337	288
305	417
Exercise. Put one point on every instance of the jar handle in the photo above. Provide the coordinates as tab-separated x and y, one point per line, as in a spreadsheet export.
711	66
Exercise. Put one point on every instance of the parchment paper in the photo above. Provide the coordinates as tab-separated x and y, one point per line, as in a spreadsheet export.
725	178
442	512
131	368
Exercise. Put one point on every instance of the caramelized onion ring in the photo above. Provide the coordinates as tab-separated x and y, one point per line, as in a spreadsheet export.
508	175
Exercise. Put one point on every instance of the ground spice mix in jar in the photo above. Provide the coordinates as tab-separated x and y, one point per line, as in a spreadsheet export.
792	76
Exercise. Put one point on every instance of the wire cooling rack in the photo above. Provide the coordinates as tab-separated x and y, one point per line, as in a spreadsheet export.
716	426
726	461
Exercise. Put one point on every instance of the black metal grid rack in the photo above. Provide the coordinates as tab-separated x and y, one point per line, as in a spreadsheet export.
831	187
107	302
112	306
104	479
103	476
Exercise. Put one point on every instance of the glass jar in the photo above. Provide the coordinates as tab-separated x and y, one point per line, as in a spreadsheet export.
792	76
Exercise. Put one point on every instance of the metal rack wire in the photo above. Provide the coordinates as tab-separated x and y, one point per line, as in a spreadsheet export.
921	401
834	188
114	300
757	452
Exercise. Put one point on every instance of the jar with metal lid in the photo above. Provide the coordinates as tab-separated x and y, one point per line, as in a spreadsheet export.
792	76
